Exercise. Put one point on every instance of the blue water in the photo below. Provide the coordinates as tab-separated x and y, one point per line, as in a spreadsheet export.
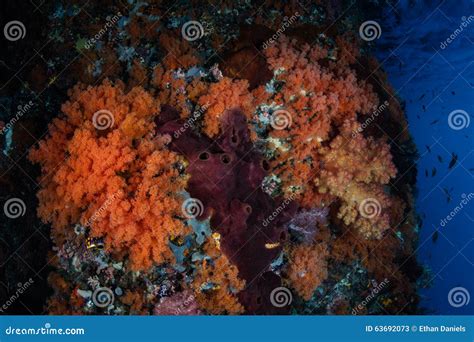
440	77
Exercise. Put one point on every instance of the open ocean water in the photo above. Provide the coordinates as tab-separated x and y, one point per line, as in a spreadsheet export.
427	49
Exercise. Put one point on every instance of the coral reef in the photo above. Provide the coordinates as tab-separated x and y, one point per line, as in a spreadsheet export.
109	176
268	134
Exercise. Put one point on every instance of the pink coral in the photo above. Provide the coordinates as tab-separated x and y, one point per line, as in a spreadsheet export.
181	303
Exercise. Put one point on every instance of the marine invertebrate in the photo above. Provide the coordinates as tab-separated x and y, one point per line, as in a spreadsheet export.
231	193
355	172
318	96
117	181
221	96
265	142
307	222
182	303
307	268
216	283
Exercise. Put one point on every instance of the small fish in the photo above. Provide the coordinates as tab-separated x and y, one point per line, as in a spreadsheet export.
217	238
94	243
440	158
177	240
272	245
435	236
453	93
424	108
454	159
426	173
421	97
428	148
434	121
448	194
417	116
433	172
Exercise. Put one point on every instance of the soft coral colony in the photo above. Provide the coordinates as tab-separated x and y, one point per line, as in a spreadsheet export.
277	206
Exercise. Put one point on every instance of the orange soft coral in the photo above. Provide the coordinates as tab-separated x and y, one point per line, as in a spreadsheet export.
307	268
180	54
224	95
117	181
176	91
317	99
221	276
